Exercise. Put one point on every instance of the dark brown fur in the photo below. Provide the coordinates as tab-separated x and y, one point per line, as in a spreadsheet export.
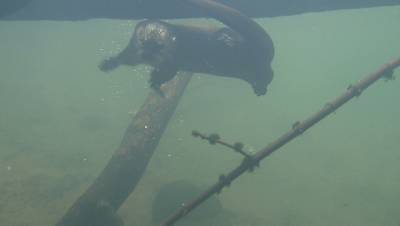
242	50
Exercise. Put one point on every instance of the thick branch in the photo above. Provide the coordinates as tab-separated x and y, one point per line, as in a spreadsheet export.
97	206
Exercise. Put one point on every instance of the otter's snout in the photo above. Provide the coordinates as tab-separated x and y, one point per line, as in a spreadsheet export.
261	82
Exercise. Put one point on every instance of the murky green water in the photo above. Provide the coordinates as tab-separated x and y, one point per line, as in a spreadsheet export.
61	118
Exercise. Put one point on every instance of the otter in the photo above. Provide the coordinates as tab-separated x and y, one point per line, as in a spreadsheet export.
242	49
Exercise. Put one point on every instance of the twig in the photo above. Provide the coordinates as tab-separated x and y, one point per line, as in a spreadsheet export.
297	129
216	139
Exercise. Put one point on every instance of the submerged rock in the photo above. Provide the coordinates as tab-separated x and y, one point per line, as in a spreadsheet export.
172	196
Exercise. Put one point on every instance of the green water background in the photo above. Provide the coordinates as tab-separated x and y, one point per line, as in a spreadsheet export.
61	118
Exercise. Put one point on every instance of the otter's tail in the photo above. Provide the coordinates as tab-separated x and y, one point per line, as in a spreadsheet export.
234	19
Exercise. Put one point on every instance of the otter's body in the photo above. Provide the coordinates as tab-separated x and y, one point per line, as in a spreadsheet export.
237	51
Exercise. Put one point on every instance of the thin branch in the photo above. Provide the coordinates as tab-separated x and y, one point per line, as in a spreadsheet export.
216	139
386	71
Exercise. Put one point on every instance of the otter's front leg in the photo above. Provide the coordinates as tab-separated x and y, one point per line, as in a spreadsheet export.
161	75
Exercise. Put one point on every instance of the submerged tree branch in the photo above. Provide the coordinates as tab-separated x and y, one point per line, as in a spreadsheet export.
386	71
98	205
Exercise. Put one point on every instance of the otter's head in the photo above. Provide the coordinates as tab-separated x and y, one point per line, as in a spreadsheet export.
260	82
